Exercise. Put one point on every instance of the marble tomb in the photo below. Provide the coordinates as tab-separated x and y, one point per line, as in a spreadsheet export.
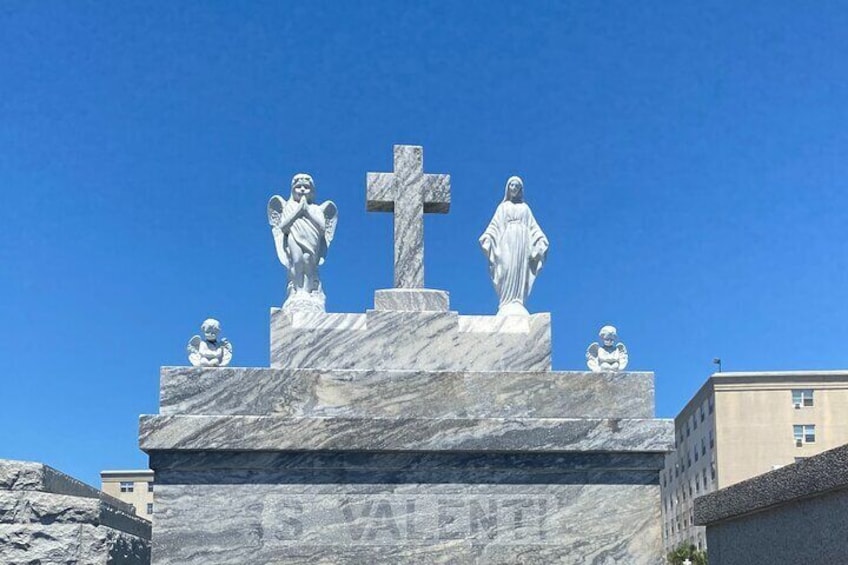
409	433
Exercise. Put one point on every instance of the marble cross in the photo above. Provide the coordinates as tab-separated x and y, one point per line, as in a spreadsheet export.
409	193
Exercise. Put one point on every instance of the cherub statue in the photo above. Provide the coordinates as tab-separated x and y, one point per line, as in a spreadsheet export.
209	351
515	247
609	356
302	233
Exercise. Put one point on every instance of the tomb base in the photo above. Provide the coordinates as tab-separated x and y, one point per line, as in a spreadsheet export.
349	466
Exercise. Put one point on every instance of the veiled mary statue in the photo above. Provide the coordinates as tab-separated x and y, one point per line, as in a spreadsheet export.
516	249
302	233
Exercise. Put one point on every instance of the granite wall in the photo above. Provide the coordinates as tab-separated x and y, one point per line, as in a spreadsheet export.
49	517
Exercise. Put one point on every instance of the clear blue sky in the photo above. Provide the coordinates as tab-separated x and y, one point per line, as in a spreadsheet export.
688	161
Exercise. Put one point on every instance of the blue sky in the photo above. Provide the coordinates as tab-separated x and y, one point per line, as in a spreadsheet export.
688	162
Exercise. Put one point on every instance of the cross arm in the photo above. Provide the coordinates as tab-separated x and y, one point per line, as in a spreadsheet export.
437	194
380	193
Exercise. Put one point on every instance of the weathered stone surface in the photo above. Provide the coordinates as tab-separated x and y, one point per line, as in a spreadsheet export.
277	433
33	476
815	476
795	514
398	340
49	517
805	531
412	394
70	544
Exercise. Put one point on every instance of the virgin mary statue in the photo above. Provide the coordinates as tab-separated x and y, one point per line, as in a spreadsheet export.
516	248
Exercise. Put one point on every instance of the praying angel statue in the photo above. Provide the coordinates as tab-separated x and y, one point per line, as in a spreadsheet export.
516	248
302	233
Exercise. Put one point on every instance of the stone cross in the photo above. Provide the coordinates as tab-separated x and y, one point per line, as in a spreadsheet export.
409	193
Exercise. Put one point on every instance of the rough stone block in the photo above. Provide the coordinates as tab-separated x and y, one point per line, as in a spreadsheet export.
49	517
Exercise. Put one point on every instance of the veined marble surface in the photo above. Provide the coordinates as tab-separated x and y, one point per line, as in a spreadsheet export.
275	433
409	193
412	300
398	340
421	394
459	523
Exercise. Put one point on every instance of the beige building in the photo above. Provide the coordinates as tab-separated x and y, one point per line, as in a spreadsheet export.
739	425
133	486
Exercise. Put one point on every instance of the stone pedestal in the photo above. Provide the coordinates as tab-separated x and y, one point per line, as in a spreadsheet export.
408	434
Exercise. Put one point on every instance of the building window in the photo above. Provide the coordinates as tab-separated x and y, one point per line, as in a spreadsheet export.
805	433
687	428
150	508
703	412
712	472
802	397
149	487
695	449
705	478
703	446
710	401
694	422
712	440
127	486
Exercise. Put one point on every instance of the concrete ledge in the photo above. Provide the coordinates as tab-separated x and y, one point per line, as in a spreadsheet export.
412	394
274	433
817	475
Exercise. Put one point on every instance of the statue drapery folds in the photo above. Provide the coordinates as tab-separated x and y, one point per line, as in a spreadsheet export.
516	248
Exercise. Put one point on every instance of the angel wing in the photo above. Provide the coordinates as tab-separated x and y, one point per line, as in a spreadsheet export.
331	218
275	215
193	350
622	356
275	210
227	350
592	358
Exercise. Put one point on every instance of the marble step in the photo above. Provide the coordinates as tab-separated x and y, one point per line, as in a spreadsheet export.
397	340
280	433
416	394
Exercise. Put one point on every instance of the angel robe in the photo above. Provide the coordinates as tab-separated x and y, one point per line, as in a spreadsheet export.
305	233
513	233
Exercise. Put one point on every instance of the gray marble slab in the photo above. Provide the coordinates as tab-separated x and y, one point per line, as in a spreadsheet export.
410	523
247	433
398	340
412	300
412	467
422	394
